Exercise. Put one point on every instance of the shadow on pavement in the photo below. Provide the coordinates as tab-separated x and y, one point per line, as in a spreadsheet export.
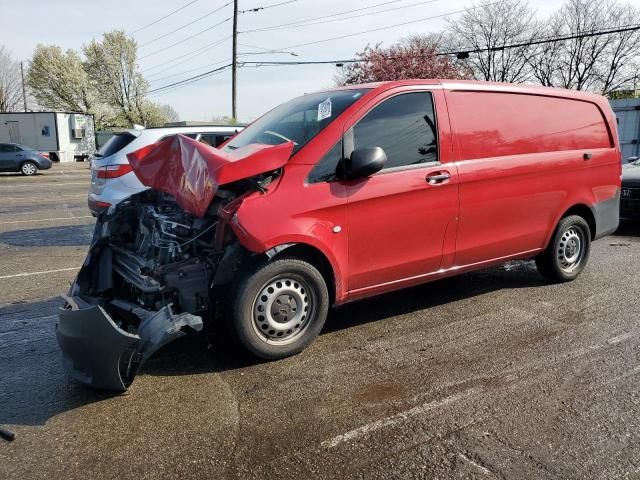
628	228
69	236
34	387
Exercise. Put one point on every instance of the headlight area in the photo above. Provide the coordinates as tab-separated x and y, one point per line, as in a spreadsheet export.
153	273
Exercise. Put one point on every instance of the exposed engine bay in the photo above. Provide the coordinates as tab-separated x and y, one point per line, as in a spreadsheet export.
160	262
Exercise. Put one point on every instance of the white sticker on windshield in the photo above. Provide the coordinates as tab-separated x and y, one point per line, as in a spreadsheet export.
324	109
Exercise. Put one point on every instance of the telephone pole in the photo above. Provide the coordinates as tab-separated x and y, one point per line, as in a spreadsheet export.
24	91
234	64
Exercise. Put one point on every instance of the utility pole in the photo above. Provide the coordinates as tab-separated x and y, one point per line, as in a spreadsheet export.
234	64
24	91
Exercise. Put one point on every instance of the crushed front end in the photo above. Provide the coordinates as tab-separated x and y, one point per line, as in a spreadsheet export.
159	262
148	278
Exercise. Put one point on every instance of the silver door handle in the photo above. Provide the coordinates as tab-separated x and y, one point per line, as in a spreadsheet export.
436	178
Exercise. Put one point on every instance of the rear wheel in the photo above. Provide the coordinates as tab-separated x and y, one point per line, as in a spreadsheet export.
568	252
280	308
28	168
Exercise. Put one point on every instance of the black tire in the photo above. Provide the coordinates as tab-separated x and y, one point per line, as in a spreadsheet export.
568	252
293	299
28	168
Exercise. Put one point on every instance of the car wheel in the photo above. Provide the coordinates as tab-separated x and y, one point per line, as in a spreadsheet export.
28	168
280	308
568	252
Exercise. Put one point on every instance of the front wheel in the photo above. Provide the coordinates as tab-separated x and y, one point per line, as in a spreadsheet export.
280	308
28	168
568	252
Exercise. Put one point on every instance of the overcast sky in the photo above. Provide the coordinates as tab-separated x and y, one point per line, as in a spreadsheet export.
72	23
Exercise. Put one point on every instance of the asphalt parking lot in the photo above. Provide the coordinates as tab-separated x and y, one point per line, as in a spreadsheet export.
495	374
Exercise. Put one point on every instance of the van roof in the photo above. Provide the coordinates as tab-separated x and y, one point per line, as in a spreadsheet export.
477	85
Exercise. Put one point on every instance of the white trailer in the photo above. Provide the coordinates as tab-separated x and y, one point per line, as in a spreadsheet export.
67	136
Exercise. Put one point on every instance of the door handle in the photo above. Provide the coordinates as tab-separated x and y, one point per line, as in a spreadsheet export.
437	178
19	155
586	156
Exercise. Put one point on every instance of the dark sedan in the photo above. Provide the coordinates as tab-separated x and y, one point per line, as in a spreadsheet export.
630	198
19	158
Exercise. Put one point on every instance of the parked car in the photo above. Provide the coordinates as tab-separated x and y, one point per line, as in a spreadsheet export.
20	158
111	177
334	197
630	200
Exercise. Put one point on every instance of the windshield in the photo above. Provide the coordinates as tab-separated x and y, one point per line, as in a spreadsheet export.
298	120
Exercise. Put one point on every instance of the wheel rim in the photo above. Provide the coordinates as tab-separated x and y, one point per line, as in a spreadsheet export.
571	249
29	168
282	310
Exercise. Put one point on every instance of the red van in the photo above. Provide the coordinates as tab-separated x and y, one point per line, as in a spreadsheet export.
333	197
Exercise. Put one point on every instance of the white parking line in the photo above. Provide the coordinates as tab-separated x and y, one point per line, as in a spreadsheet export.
41	184
395	419
47	219
27	274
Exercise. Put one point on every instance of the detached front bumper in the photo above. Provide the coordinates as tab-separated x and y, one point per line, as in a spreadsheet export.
98	353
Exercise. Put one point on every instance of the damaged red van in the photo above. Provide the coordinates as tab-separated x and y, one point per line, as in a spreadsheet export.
333	197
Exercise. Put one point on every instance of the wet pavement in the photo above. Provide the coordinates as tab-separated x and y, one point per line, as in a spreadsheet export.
494	374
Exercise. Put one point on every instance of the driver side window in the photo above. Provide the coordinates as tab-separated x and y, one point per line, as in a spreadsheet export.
404	126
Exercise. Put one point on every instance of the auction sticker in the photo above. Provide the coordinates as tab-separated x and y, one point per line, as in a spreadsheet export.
324	109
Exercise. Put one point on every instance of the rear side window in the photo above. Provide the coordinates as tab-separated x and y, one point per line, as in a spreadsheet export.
116	143
404	126
5	148
491	124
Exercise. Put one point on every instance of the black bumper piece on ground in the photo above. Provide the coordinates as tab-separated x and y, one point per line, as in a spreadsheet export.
98	353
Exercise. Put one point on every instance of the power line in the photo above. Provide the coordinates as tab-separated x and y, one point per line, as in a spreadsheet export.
313	21
190	56
162	18
389	26
257	9
185	25
189	71
191	79
186	39
591	33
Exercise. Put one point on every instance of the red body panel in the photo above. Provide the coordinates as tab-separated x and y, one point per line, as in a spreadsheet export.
508	187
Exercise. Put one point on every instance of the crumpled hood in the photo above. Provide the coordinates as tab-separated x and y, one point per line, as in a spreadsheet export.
192	172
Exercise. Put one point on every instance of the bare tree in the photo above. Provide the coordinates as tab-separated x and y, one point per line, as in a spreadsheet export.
486	29
592	61
620	67
10	82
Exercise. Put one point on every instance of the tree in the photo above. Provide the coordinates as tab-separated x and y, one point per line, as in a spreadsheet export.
598	63
58	80
108	83
113	70
10	82
486	29
169	113
412	57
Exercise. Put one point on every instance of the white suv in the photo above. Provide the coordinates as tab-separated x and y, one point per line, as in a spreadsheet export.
111	177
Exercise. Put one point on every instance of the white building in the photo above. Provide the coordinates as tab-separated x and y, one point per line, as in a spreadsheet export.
67	136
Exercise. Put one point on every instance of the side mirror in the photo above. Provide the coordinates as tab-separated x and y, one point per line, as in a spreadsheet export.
364	162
